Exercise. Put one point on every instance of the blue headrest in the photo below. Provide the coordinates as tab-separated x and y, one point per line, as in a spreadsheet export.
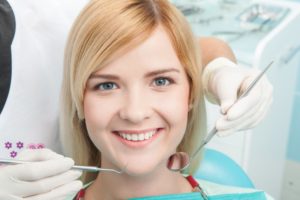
219	168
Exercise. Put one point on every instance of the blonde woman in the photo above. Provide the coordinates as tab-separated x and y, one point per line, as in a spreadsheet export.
131	97
32	40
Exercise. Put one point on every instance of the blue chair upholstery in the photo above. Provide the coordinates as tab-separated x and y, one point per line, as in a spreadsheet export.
219	168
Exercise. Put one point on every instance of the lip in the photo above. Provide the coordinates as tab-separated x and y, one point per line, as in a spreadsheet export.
138	143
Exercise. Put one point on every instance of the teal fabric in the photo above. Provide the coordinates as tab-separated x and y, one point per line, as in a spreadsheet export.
255	195
197	196
186	196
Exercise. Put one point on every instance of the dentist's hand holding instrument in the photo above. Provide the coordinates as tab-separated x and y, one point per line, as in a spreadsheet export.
42	175
49	178
181	160
223	82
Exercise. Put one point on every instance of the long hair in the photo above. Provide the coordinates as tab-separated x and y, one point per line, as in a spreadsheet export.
102	29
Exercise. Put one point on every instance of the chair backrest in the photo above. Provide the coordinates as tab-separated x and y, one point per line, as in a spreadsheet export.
219	168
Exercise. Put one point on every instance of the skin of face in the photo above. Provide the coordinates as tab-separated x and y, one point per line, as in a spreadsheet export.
136	106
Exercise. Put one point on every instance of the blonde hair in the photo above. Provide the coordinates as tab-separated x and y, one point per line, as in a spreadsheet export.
103	28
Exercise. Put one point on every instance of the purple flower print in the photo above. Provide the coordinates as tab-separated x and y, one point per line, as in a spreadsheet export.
31	146
8	145
20	145
40	146
13	154
36	146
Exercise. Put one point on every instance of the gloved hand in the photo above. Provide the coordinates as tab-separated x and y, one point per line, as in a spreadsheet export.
223	82
47	178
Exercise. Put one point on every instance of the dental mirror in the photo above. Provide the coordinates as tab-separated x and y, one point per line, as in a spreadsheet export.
180	161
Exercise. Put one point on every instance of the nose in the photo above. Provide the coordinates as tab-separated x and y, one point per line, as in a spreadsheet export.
135	107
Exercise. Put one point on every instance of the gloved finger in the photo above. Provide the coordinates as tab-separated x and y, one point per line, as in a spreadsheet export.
225	126
38	155
264	108
262	113
251	102
248	124
48	184
246	103
223	123
227	93
38	170
8	197
254	117
59	193
223	85
226	132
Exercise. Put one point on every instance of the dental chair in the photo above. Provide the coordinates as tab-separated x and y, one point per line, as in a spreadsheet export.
219	168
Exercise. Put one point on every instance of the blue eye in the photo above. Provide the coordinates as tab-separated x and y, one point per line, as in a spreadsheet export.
107	86
161	81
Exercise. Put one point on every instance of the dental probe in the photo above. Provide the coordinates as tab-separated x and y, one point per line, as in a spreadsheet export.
75	167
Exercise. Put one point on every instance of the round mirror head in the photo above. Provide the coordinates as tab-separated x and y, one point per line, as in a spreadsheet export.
178	161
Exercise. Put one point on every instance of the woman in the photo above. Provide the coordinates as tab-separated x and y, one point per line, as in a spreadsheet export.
32	39
132	97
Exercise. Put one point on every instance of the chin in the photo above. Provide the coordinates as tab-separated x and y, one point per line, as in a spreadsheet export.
139	170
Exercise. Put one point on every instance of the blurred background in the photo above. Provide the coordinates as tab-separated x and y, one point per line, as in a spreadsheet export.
260	32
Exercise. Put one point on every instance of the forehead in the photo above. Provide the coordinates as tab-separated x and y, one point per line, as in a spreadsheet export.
155	51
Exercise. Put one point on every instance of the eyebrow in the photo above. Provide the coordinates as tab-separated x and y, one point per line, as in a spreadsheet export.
162	71
152	73
104	76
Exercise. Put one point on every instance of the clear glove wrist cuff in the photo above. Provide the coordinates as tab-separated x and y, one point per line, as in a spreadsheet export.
209	71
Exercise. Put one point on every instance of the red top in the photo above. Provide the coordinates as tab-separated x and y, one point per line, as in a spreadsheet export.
190	179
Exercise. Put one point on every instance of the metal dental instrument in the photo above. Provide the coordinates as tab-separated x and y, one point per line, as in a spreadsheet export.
181	160
75	167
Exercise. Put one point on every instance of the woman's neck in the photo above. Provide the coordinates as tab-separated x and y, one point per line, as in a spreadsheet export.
111	186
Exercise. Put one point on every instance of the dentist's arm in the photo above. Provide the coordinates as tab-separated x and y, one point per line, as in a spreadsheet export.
223	80
212	48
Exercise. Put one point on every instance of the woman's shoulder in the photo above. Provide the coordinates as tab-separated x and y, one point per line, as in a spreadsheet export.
213	189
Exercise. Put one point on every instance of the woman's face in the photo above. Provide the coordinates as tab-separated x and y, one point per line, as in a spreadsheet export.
136	106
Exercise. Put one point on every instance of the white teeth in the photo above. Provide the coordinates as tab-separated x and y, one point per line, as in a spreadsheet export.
137	136
134	137
141	137
127	136
147	136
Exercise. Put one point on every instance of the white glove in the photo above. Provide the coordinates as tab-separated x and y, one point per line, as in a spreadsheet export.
48	178
223	82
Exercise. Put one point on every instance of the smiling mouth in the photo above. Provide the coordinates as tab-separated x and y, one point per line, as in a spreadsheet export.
137	136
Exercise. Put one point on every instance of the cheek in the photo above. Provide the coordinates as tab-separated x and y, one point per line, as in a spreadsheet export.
92	117
95	113
175	107
90	109
177	103
98	114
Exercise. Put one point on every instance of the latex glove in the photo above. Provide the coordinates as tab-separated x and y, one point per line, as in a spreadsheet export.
48	178
223	82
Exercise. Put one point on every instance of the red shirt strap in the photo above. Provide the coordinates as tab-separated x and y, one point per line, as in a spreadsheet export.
80	194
